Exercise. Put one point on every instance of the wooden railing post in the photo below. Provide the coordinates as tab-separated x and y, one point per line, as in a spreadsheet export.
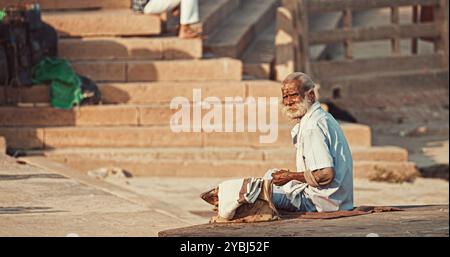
415	20
441	17
285	44
347	23
291	6
303	28
444	29
395	41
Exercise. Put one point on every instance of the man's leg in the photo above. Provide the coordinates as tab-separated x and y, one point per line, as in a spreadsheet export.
189	14
160	6
281	201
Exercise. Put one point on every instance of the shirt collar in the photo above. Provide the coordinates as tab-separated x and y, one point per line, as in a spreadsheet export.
312	108
296	129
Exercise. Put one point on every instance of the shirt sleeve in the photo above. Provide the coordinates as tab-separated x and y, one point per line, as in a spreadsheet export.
316	149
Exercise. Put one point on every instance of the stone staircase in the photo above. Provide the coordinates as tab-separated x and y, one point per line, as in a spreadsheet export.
140	66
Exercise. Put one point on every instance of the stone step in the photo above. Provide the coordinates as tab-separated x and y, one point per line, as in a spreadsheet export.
120	22
139	165
155	136
260	56
74	4
116	48
159	92
223	69
100	115
119	115
145	155
380	153
359	153
235	33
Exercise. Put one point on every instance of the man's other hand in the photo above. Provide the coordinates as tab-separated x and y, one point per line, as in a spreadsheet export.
281	177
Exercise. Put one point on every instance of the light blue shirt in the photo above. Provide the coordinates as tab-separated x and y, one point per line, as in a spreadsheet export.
321	143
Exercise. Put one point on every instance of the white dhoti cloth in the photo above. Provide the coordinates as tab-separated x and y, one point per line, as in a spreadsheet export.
235	192
189	10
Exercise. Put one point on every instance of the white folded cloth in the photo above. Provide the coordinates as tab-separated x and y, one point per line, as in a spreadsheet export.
235	192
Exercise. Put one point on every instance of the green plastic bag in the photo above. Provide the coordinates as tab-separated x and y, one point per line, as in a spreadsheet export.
65	83
2	15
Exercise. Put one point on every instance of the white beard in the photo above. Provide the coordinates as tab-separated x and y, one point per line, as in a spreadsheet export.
296	111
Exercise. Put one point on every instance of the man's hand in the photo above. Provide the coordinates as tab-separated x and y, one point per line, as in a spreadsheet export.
281	177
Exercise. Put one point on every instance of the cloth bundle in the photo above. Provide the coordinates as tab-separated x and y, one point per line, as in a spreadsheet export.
250	200
245	200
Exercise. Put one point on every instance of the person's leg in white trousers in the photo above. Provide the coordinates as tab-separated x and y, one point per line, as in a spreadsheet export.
189	13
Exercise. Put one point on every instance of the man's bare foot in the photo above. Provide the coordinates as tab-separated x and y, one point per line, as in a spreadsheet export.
187	32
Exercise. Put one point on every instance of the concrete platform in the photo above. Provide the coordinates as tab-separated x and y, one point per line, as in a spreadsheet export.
424	221
55	202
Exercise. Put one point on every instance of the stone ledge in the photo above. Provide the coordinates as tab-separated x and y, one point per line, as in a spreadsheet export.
74	4
103	23
427	220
